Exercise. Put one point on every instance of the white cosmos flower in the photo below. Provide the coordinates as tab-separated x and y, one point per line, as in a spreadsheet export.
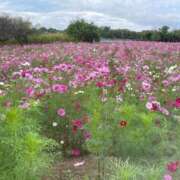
170	69
104	99
119	98
62	142
79	164
26	64
54	124
128	86
36	103
79	92
176	117
1	83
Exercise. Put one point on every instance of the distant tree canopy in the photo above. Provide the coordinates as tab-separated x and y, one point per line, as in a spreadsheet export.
18	29
82	31
45	30
162	34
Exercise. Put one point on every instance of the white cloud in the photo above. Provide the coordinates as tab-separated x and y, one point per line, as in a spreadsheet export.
61	19
3	6
142	12
132	14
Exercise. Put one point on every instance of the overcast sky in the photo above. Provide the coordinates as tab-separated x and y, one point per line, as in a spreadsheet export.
131	14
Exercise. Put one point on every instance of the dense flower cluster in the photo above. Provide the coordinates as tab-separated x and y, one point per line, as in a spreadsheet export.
145	72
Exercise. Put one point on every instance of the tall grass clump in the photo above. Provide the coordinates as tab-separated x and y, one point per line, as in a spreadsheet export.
48	38
23	152
126	170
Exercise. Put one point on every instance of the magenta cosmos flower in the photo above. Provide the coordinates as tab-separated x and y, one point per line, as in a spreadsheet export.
61	112
30	91
177	103
87	135
100	84
60	88
77	123
173	166
75	152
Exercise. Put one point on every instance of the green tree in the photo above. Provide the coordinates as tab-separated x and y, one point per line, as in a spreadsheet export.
14	29
22	29
155	36
82	31
6	28
164	33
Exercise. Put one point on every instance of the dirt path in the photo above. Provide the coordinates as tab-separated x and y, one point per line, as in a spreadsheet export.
82	168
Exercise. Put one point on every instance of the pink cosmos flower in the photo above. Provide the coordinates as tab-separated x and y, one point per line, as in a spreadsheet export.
24	105
167	177
60	88
87	135
75	152
153	106
146	67
104	70
146	86
63	67
139	76
164	111
38	80
165	83
24	74
61	112
151	98
55	78
30	91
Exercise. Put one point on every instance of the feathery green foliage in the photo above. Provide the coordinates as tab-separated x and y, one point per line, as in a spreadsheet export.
23	152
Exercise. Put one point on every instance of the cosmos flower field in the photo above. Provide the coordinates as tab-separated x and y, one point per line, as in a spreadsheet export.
118	99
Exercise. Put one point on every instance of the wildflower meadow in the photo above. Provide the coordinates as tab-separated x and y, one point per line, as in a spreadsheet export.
87	111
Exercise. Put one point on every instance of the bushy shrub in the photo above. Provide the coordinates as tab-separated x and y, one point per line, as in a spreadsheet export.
83	31
23	152
125	130
63	117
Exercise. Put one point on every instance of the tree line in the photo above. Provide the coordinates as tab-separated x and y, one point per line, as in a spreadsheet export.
18	29
162	34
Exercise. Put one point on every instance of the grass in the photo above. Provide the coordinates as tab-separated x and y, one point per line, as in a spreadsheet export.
110	168
42	38
48	38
